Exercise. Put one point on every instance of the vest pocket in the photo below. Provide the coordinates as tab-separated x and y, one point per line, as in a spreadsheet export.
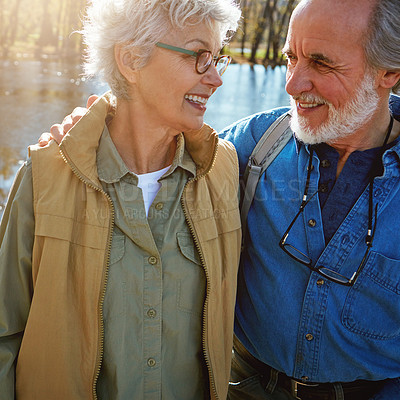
222	221
70	230
372	306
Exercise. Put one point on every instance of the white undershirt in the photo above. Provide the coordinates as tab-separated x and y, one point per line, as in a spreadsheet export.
150	186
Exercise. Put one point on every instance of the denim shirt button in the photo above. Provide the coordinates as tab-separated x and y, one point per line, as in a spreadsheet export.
305	378
323	187
309	337
320	282
377	192
312	223
325	163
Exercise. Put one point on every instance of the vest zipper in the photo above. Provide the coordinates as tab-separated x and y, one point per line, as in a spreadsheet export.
105	273
203	264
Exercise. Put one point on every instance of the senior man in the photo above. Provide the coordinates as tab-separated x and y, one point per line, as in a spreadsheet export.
318	307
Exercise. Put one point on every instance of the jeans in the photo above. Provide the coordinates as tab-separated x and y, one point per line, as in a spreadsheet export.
245	383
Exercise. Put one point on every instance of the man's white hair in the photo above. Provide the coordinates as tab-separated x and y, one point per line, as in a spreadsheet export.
139	24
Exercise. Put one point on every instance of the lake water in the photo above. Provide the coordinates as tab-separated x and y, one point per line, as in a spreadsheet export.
34	95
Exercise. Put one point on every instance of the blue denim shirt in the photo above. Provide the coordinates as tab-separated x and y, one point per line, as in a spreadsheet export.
290	317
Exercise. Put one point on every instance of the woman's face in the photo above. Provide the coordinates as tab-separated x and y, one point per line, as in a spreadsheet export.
168	91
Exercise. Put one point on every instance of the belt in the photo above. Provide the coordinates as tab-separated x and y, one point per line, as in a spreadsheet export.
357	390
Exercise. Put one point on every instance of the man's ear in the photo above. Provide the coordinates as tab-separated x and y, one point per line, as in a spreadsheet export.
387	79
123	57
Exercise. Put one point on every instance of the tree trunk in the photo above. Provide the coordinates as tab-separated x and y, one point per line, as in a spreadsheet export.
14	24
246	17
271	33
259	32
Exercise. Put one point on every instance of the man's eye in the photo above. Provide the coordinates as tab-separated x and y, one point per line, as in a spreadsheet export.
290	58
321	64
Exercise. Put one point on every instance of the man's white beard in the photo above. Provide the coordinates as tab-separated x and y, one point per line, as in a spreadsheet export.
341	122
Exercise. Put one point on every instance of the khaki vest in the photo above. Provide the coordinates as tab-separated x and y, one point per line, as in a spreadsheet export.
62	347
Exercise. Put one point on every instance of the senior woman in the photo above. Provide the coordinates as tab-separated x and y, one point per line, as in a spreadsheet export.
119	247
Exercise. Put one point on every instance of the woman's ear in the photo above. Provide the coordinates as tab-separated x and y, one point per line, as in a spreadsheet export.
123	57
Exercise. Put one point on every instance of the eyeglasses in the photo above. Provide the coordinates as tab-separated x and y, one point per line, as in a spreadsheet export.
305	260
204	58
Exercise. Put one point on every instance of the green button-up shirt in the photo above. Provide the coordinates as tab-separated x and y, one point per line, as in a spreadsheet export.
155	289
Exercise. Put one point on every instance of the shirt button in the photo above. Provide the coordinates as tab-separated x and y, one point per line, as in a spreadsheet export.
325	163
320	282
312	223
159	206
309	337
151	313
151	362
323	187
305	378
152	260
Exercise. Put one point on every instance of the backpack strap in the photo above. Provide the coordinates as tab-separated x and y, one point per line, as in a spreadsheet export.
268	147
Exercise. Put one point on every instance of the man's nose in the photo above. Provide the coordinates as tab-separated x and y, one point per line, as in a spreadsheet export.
298	80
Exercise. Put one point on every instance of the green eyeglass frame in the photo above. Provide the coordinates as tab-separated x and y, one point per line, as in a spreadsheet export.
204	58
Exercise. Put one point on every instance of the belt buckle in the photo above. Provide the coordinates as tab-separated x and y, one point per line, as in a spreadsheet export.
294	385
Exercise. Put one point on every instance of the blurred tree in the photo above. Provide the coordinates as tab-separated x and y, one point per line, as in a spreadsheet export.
40	27
9	25
245	6
47	36
278	26
44	27
264	28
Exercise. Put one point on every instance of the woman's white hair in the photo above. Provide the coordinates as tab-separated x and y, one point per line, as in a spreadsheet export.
139	24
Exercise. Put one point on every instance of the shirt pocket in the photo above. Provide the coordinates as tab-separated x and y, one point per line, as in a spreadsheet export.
117	246
187	247
191	285
372	306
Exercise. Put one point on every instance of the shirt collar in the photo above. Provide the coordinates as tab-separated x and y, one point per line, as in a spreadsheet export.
111	168
182	158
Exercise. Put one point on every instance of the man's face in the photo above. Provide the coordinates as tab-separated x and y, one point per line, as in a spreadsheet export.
326	65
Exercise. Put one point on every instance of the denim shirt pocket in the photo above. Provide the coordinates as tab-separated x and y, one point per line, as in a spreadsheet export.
372	307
